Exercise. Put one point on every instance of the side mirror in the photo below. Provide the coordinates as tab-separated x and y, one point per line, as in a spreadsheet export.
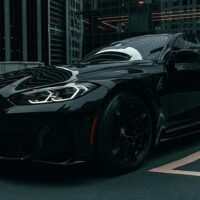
185	55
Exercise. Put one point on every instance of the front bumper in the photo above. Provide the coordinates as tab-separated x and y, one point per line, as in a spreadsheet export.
57	132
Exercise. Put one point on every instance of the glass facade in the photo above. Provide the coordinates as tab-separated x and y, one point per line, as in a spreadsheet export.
112	20
45	31
74	30
2	38
62	31
16	29
48	31
178	16
32	30
19	30
106	21
57	11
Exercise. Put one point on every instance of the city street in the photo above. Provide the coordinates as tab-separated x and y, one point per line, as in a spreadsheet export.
109	75
39	181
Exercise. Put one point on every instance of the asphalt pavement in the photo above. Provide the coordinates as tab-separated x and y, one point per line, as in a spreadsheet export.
27	181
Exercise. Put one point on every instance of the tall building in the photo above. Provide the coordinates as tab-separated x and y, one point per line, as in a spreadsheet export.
2	32
111	20
74	31
40	30
57	31
178	16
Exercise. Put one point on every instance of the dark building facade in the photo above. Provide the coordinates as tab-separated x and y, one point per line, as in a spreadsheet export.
178	16
38	30
110	20
23	30
2	39
57	34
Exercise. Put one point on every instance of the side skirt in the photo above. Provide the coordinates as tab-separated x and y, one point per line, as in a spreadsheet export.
180	131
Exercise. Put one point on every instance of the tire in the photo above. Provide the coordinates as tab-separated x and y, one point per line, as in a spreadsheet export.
124	133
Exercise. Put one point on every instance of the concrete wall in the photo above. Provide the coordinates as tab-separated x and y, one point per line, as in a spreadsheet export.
14	66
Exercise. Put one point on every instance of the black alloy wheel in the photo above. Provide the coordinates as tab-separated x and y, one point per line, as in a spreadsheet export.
125	132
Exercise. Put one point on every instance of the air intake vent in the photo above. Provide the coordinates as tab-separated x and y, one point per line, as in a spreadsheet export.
17	145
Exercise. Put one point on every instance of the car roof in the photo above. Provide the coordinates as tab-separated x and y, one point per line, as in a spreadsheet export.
132	39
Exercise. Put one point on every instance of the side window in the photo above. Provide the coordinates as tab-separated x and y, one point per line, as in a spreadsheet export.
186	42
198	40
180	43
154	54
192	42
190	45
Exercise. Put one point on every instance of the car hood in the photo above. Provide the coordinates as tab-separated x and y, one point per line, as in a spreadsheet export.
33	78
111	70
36	77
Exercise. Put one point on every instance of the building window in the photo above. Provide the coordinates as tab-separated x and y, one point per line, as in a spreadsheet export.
16	29
175	3
2	30
185	2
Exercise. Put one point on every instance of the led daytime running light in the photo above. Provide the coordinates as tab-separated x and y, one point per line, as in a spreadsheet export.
52	96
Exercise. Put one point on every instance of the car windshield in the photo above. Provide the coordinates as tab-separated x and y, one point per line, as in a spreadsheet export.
137	48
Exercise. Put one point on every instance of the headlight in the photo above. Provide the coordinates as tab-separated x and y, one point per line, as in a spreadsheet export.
53	94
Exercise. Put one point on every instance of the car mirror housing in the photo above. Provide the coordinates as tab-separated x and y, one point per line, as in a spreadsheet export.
185	56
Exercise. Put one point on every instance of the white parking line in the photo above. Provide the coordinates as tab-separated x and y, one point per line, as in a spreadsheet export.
171	167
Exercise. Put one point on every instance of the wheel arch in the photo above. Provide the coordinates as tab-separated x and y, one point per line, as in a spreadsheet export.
140	89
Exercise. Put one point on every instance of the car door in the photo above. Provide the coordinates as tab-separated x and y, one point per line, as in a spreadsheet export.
180	91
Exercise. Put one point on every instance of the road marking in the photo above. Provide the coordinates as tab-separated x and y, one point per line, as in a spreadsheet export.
170	168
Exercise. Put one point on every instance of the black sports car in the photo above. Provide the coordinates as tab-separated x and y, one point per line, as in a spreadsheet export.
114	105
